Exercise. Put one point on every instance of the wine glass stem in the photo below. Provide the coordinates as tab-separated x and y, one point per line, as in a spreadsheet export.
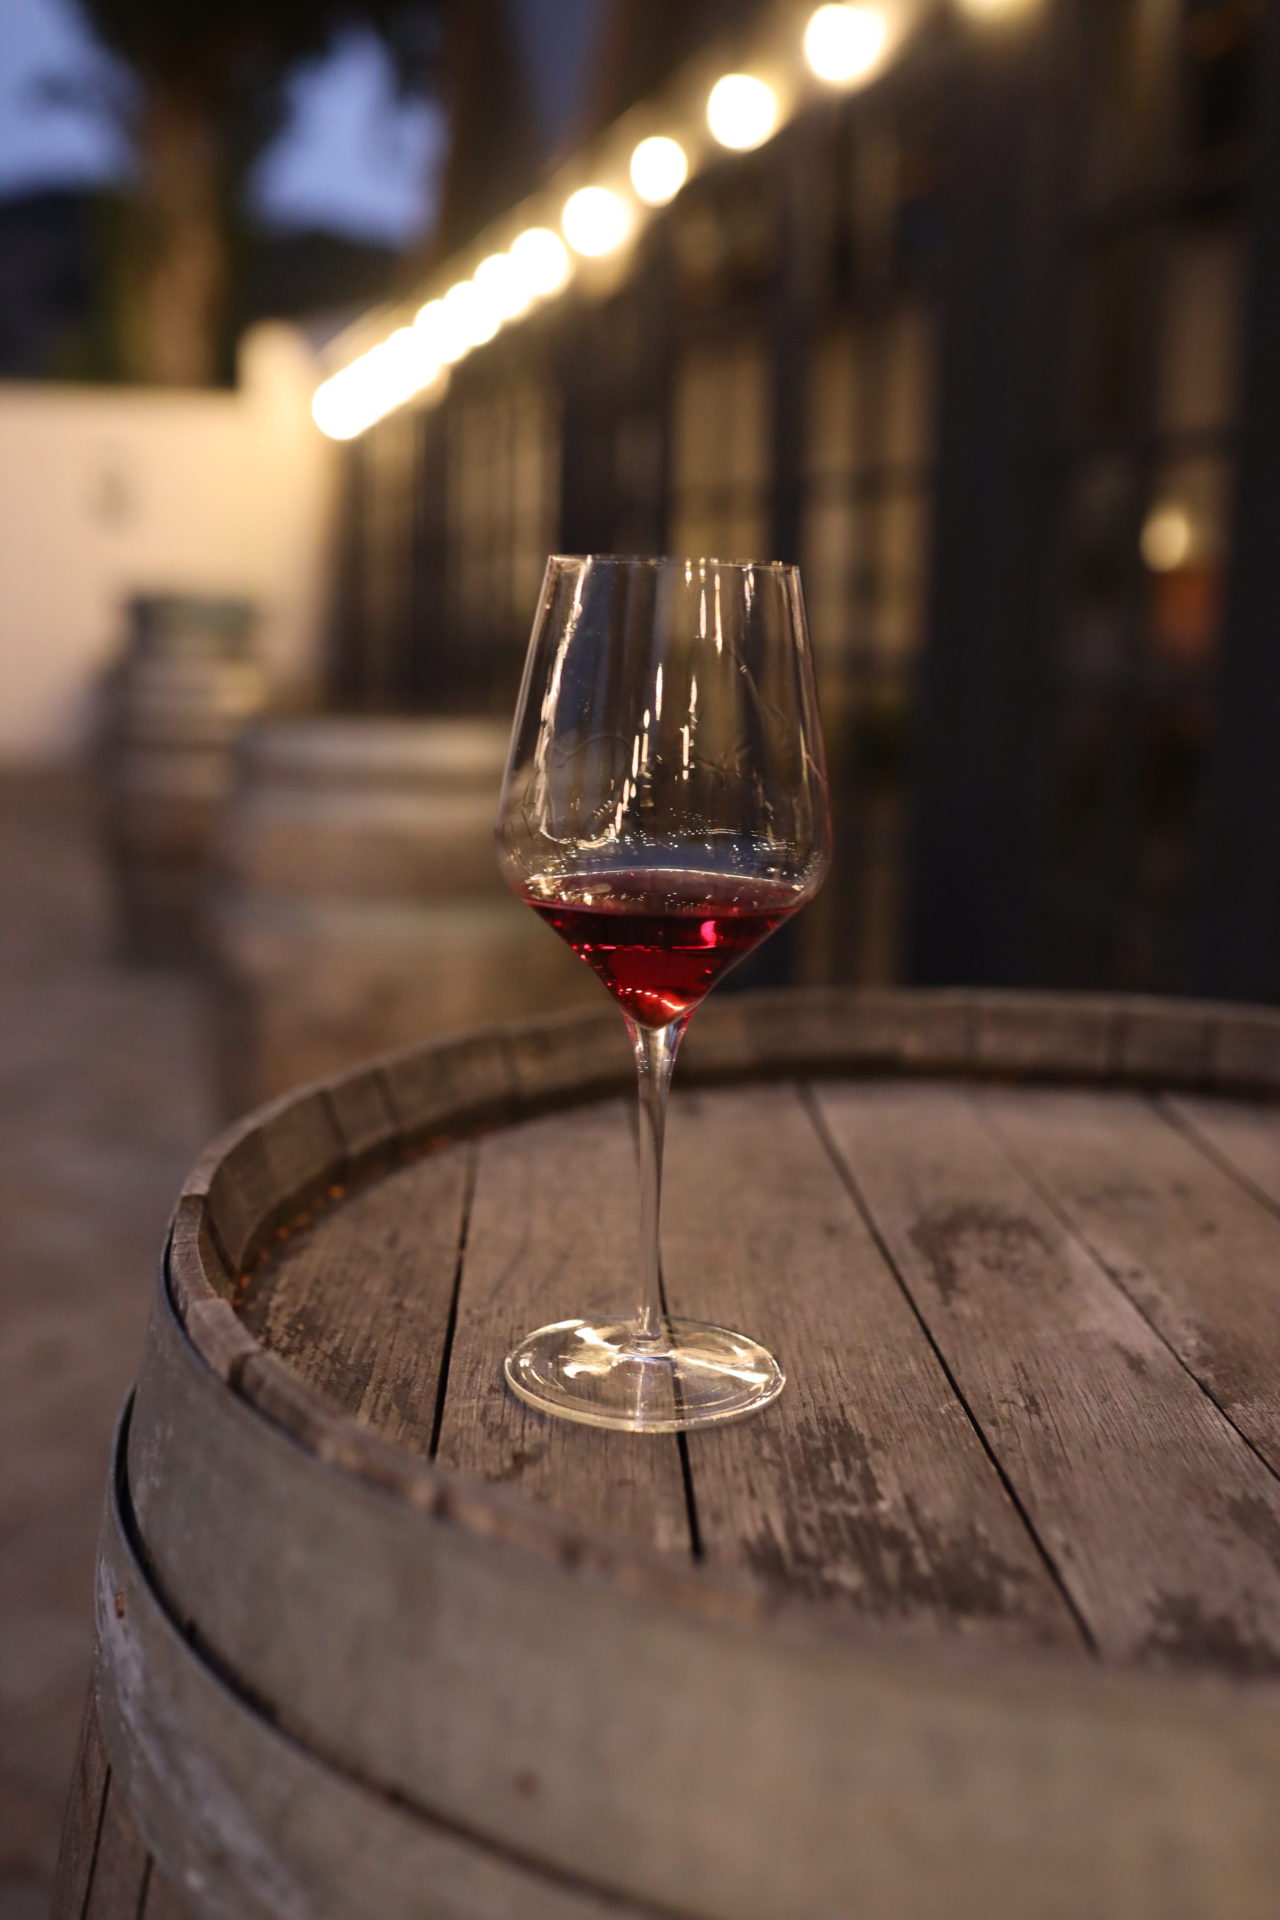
655	1051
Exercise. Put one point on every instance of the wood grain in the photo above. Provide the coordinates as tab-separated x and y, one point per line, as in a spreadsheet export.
121	1862
82	1819
1239	1133
358	1303
1246	1050
280	1156
553	1235
163	1901
264	1828
1166	1041
1198	1254
511	1733
1041	1033
1156	1513
362	1111
866	1481
457	1081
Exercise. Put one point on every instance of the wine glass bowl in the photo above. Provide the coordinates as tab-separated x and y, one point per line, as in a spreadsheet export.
664	810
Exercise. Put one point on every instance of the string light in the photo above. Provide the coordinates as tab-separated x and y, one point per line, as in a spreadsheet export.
1166	539
430	323
659	168
466	320
384	378
595	221
844	44
742	111
335	408
542	260
503	285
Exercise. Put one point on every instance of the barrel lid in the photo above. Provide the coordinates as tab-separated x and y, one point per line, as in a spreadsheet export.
374	750
376	1170
173	624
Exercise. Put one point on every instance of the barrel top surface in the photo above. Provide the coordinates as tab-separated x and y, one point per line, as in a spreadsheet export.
320	747
1020	1257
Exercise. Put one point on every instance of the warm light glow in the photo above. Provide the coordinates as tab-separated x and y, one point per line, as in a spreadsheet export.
385	377
432	328
992	9
467	320
595	221
336	408
659	168
1166	539
542	260
742	111
845	43
501	283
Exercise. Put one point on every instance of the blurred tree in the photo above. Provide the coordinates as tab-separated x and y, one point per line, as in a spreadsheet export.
210	94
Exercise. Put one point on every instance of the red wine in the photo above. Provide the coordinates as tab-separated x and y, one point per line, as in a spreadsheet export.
660	939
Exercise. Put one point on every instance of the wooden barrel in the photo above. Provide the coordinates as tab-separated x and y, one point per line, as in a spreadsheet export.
360	906
175	703
981	1617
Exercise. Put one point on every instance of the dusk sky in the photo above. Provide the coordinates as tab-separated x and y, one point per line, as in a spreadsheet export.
354	158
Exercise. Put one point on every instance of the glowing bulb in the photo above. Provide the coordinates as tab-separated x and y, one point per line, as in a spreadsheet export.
398	368
381	379
659	168
466	320
427	319
431	327
1166	539
595	221
503	286
541	259
845	43
336	409
742	111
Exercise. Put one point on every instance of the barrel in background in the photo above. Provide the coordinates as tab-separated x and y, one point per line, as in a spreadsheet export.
175	702
358	902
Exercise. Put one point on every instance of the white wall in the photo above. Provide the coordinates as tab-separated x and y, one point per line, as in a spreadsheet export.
110	491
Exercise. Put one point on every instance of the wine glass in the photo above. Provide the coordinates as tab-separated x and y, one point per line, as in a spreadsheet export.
664	809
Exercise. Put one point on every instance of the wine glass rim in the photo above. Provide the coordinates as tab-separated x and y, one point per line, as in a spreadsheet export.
669	560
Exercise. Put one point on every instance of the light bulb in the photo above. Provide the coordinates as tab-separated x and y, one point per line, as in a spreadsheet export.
336	408
541	259
742	111
595	221
427	319
659	168
381	379
1166	539
467	320
845	43
501	283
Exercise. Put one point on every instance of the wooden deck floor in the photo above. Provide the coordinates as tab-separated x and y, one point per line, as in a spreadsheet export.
103	1102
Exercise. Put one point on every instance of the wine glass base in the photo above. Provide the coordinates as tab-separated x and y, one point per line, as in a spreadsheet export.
598	1372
